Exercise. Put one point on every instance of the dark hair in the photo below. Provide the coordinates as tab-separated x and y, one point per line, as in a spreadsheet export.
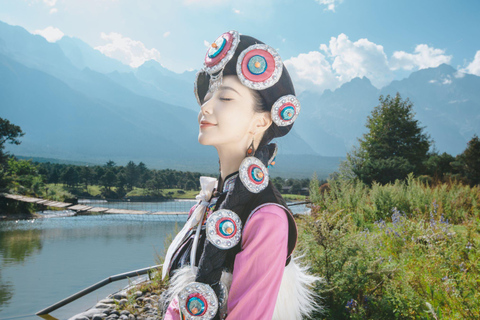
273	131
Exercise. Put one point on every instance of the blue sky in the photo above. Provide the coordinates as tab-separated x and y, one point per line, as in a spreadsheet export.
324	43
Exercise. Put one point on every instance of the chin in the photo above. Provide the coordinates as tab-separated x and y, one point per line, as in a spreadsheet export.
203	140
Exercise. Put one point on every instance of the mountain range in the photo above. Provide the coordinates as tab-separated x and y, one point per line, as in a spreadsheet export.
76	104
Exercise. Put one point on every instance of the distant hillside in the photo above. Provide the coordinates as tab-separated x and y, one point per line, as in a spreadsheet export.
445	102
76	104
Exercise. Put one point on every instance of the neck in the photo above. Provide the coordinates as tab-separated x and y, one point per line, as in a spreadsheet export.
230	160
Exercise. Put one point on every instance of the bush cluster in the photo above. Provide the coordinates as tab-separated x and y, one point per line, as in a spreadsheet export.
400	251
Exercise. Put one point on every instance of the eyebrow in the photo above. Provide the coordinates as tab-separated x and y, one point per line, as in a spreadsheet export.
229	88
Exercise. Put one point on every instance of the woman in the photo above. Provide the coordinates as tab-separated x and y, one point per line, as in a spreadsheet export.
233	258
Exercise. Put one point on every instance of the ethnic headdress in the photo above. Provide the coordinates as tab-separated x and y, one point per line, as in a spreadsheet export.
258	67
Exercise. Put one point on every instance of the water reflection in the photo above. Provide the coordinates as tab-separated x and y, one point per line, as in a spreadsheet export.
6	292
17	245
42	261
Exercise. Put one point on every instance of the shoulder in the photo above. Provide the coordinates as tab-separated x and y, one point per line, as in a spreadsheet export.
266	221
271	211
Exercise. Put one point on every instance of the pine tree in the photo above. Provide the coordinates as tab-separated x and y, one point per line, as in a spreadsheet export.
394	145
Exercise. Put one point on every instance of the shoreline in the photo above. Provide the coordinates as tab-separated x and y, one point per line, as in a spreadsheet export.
139	301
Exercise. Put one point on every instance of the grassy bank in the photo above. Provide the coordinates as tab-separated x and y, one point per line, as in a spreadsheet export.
400	251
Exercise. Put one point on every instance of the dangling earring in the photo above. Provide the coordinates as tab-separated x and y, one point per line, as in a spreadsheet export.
251	149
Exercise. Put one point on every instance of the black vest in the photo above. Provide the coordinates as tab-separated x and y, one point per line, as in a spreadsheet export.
269	195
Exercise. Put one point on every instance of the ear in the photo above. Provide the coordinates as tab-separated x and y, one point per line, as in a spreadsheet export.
262	122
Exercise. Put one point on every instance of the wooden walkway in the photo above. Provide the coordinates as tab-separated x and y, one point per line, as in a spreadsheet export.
82	209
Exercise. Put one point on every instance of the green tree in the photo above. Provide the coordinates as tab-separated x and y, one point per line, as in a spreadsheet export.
394	145
190	185
109	179
438	165
86	175
70	176
469	161
131	174
8	133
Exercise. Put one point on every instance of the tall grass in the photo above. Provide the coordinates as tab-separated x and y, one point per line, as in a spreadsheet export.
457	202
406	250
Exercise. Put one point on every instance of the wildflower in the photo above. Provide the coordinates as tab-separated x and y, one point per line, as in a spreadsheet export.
468	246
351	306
445	278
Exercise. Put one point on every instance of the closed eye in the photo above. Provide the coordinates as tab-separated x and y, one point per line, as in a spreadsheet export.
226	99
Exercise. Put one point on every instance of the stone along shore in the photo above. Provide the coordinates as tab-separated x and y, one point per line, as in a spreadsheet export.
137	302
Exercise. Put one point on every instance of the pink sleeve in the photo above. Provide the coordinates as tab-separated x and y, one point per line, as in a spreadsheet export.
173	311
192	209
258	268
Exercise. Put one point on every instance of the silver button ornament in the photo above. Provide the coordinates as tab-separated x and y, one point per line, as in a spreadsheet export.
224	229
253	174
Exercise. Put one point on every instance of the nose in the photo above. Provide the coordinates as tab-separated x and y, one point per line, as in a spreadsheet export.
206	107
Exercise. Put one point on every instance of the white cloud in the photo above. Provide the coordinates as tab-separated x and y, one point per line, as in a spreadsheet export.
474	66
50	3
447	80
311	71
423	57
53	10
330	4
166	34
341	60
206	43
236	11
50	33
361	58
129	51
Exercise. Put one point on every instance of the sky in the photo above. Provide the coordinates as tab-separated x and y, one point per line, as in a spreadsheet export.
323	43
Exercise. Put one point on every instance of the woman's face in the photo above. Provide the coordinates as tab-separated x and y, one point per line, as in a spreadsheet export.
227	117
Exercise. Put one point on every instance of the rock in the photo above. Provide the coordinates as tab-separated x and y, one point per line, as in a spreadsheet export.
107	301
102	306
119	296
99	316
122	302
115	312
131	317
79	317
124	312
112	317
140	299
139	294
90	313
123	317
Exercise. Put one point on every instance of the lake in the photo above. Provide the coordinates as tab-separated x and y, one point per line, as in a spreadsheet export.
45	260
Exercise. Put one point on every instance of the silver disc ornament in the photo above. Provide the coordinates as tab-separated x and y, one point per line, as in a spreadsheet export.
259	67
285	110
221	51
198	301
253	174
224	229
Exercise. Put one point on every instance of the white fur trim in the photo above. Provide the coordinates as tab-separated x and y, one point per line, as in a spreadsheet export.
295	300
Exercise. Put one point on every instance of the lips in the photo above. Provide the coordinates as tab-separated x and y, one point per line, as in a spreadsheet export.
204	123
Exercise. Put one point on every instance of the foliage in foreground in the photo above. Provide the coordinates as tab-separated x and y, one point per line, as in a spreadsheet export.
395	264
